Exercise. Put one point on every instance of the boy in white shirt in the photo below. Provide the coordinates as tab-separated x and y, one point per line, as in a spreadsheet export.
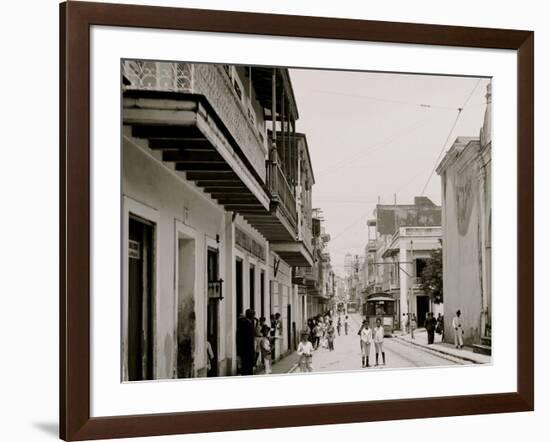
265	349
366	341
305	351
379	341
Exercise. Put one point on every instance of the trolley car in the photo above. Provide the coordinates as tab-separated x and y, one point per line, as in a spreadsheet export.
380	305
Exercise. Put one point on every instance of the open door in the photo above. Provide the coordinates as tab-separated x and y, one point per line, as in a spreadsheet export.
212	325
140	299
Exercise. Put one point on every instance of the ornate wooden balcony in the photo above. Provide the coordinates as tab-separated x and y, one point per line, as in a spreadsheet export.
193	115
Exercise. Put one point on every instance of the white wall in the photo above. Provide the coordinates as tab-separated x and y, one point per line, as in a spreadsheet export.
148	181
29	183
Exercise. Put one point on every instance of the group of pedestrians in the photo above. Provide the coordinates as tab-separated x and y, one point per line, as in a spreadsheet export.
256	342
368	336
321	331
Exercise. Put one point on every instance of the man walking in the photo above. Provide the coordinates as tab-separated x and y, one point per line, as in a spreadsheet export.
458	331
429	325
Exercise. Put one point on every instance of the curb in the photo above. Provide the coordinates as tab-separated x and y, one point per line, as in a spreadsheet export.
293	368
428	349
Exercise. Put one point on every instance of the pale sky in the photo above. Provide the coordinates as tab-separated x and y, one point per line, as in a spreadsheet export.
373	134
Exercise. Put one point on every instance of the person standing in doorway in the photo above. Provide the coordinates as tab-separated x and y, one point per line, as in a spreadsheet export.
272	333
366	341
458	331
378	336
430	324
248	343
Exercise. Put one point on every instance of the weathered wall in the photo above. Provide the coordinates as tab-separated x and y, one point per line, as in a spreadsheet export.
150	183
462	249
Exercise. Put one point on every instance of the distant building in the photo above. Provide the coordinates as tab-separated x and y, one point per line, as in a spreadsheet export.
466	199
400	241
317	283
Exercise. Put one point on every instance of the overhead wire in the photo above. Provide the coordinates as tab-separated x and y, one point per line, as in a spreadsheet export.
459	113
386	100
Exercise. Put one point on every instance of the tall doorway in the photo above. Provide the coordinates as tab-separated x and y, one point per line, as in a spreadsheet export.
262	294
140	299
252	286
186	305
239	285
212	323
289	326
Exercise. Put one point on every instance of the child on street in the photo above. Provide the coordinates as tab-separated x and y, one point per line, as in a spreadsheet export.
366	341
265	348
305	351
379	341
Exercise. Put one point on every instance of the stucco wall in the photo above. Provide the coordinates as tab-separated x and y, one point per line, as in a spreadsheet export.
462	281
149	182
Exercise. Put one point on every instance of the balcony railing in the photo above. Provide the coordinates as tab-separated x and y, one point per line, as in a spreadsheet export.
211	81
281	191
306	235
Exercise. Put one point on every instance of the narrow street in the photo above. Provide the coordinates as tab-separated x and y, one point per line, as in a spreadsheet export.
347	353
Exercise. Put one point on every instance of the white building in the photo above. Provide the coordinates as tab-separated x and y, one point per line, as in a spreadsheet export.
400	241
467	211
405	257
212	210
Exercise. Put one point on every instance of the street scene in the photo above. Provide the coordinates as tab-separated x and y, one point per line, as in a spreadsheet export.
400	351
281	220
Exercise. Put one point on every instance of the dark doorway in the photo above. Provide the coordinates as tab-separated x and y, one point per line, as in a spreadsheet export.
422	309
289	325
140	303
239	285
252	286
212	325
262	294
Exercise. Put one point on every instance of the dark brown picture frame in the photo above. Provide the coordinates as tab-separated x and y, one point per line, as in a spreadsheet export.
76	18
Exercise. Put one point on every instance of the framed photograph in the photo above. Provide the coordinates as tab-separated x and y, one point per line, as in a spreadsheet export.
272	221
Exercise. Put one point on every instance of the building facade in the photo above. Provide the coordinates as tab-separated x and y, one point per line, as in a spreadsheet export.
214	213
317	283
466	198
400	241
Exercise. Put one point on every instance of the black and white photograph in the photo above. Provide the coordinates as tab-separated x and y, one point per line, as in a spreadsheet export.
282	220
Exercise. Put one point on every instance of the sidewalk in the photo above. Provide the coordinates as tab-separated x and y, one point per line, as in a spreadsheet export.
287	364
466	353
